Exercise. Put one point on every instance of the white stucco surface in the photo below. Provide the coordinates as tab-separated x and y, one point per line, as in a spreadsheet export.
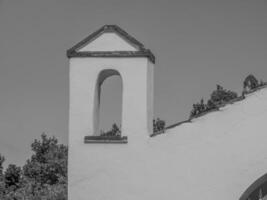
137	94
216	156
137	113
109	42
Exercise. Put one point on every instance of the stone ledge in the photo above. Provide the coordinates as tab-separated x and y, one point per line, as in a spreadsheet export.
106	139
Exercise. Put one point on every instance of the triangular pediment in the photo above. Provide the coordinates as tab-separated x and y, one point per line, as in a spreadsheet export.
110	41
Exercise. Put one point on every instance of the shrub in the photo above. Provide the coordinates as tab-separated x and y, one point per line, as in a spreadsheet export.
201	107
158	125
198	108
250	83
115	131
217	97
220	95
211	105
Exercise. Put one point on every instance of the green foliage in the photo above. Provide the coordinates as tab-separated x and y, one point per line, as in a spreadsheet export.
34	191
211	105
217	97
220	95
12	176
115	131
43	177
158	125
2	180
201	107
49	161
2	160
251	83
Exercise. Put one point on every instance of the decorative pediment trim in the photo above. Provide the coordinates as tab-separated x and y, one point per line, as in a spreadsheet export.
141	50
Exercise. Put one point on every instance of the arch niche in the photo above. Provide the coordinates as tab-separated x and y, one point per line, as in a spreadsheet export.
102	77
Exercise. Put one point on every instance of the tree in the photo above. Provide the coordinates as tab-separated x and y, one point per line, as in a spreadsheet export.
2	181
12	176
48	163
43	177
2	160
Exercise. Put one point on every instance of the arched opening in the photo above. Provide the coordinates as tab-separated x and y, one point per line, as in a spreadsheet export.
257	190
108	103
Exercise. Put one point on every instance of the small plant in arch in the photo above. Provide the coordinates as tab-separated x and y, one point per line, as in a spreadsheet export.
115	131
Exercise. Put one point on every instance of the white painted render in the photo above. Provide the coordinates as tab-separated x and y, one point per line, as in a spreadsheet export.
137	94
216	156
137	111
109	42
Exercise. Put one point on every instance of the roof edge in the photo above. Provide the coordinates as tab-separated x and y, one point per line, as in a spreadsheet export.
142	52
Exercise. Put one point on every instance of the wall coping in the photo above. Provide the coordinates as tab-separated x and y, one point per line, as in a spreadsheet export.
106	139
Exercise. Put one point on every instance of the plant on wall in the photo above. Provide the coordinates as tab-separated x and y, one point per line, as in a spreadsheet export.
221	95
114	131
251	83
158	125
217	98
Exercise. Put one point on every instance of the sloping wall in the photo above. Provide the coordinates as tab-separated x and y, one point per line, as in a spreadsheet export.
216	156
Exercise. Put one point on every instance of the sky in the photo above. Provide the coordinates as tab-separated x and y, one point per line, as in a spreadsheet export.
197	44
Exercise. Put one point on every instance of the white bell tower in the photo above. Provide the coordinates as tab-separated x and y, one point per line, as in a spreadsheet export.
108	51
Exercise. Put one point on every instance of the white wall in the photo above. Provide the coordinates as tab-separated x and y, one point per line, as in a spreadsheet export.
108	42
216	157
137	113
